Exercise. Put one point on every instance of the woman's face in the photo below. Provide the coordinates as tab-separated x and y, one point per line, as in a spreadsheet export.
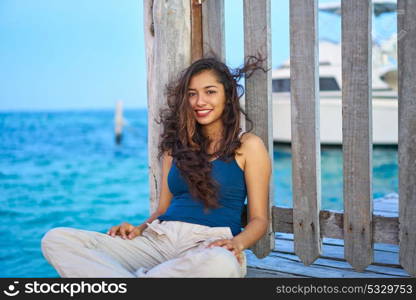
207	97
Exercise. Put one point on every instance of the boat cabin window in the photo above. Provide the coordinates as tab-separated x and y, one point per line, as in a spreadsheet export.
325	84
281	85
328	84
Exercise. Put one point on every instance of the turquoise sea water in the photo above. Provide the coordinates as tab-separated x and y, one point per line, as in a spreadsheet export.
64	169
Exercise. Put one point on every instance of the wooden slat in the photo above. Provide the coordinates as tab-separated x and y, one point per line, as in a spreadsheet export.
213	28
196	29
323	267
258	101
333	248
253	272
406	12
305	128
165	25
357	131
337	263
385	229
330	264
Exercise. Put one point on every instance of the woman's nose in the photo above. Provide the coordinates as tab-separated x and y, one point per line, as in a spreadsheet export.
200	100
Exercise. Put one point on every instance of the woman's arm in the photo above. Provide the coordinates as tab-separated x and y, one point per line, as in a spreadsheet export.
257	171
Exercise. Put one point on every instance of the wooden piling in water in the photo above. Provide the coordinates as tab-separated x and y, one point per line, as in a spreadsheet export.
118	122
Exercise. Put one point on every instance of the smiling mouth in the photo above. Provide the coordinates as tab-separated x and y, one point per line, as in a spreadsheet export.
203	113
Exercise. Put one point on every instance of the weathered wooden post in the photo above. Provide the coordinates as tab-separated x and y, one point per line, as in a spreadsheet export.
306	153
357	132
166	23
406	27
258	98
213	29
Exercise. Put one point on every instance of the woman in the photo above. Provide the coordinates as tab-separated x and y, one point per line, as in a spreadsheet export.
208	168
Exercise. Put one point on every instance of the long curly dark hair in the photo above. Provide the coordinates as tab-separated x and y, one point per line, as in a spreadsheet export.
182	135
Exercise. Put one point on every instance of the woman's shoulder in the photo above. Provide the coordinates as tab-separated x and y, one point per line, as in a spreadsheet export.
251	140
251	144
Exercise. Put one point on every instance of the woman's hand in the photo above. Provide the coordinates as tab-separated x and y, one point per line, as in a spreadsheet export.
229	244
125	230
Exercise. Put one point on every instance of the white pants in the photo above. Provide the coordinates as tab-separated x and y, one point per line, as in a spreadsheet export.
165	249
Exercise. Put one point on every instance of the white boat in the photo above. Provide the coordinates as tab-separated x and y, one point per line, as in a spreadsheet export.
384	92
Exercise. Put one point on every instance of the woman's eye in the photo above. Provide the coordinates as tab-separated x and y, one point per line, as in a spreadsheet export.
211	92
191	94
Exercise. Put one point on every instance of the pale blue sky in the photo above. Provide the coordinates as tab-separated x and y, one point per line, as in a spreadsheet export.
78	54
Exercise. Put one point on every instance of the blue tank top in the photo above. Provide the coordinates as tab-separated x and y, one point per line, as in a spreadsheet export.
232	195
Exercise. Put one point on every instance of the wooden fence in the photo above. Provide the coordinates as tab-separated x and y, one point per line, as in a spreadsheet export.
179	31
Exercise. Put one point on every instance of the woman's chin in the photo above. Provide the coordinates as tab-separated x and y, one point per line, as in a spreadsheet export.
203	121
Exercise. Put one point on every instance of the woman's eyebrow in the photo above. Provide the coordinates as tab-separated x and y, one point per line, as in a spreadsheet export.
208	86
